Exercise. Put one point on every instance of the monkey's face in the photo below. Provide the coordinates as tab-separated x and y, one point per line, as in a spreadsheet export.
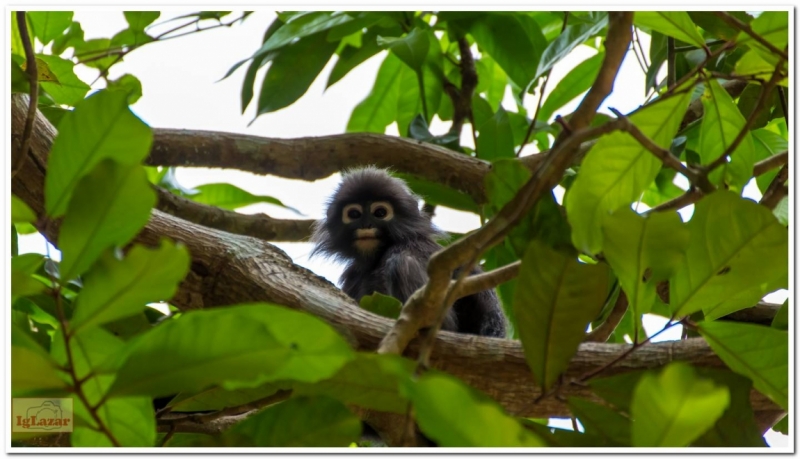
368	225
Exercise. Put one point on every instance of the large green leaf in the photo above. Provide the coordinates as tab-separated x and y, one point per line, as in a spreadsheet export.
781	319
492	81
569	39
100	127
351	57
773	26
643	251
555	299
758	352
722	122
602	421
23	267
454	415
48	25
115	288
736	246
69	89
573	84
20	212
262	343
229	196
515	42
218	398
302	421
412	49
495	139
379	109
32	369
676	24
767	143
438	194
618	169
292	72
302	26
675	407
371	381
109	206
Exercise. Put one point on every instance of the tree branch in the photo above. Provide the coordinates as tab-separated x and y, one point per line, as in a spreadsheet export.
230	269
737	24
601	333
776	189
261	226
766	165
33	82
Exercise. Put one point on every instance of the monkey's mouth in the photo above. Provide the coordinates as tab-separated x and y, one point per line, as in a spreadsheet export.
366	240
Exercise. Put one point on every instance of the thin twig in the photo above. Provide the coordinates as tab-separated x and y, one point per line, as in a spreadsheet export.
529	132
735	23
686	199
167	437
33	80
488	280
604	331
639	44
766	165
776	189
205	418
671	76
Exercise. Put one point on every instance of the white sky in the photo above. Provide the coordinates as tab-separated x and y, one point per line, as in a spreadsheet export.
181	90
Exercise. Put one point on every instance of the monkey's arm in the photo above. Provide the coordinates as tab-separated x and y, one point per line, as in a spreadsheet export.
405	274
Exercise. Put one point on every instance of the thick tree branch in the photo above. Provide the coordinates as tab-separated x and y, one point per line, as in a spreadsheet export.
229	269
261	226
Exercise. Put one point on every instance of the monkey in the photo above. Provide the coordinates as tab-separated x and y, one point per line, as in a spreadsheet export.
374	224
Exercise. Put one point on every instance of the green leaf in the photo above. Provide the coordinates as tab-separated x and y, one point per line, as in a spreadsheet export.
574	83
773	26
301	26
299	422
735	246
217	398
351	57
248	84
495	139
23	267
292	71
129	84
675	407
379	108
618	169
737	426
755	351
454	415
676	24
515	42
767	143
20	212
32	369
643	251
555	300
492	81
230	197
602	421
48	25
263	343
109	207
781	319
139	20
782	426
72	38
69	89
722	122
382	305
371	381
115	288
617	389
100	127
568	40
95	48
412	49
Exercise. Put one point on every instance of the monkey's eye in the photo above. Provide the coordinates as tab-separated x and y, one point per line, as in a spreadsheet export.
382	210
351	212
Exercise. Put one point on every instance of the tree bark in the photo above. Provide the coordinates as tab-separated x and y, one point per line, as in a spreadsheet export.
229	269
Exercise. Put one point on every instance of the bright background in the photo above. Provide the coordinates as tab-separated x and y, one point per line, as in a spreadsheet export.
181	89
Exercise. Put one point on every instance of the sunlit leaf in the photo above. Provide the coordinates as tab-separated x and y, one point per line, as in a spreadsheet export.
379	109
735	246
573	84
617	169
100	127
21	212
48	25
412	49
68	89
129	84
755	351
495	139
229	196
676	24
675	407
570	38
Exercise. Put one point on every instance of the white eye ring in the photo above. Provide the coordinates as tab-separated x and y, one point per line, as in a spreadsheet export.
382	205
346	218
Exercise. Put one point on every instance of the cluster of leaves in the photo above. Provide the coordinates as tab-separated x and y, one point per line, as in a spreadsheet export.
82	327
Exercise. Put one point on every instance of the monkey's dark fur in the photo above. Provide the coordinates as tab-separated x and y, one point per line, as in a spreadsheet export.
392	260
